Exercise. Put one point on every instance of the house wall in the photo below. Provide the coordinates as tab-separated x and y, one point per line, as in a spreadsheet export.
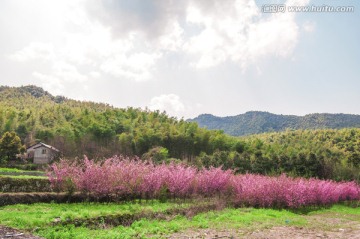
31	151
41	157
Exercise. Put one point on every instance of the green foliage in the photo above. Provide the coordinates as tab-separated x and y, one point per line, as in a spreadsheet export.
100	130
331	154
24	166
10	145
11	170
157	154
328	154
24	184
24	176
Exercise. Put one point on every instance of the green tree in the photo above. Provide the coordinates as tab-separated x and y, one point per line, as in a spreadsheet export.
157	154
10	145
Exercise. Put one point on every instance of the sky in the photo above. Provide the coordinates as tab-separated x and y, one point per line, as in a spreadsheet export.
188	57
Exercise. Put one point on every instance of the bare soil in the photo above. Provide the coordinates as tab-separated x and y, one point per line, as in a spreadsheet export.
284	232
331	226
8	233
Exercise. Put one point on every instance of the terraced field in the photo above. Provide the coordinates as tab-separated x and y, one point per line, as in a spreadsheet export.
154	219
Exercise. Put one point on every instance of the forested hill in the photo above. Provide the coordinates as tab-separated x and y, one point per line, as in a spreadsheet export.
100	130
255	122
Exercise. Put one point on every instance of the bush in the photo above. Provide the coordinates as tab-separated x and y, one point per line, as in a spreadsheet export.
283	191
128	178
156	154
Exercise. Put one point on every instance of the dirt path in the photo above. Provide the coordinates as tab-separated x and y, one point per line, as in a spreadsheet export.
326	226
273	233
8	233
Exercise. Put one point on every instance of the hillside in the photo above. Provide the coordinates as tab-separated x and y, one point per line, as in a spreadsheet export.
255	122
99	130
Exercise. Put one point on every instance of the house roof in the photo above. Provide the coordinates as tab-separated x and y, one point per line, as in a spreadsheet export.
33	145
41	144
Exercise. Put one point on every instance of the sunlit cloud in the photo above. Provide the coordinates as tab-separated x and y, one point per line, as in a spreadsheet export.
170	103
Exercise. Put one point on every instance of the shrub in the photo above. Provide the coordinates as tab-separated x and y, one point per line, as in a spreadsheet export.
213	181
283	191
129	178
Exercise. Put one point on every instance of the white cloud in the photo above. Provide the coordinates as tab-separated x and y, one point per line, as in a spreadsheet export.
227	30
34	51
149	19
136	66
127	39
83	42
95	74
244	35
68	72
275	36
173	40
49	82
309	26
61	74
170	103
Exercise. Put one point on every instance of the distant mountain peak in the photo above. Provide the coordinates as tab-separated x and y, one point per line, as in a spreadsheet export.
32	90
35	91
255	122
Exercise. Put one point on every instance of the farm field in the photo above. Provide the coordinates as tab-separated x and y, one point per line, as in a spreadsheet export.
17	173
147	200
23	176
179	119
61	221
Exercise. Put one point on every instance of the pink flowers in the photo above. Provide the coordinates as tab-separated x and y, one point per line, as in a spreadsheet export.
210	182
133	178
283	191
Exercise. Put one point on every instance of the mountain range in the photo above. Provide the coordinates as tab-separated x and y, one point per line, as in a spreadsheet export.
255	122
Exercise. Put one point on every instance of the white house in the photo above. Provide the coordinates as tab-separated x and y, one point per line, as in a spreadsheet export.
42	153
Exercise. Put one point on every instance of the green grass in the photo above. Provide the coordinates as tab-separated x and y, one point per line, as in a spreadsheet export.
23	176
38	218
41	214
17	173
10	170
339	208
15	170
245	219
228	218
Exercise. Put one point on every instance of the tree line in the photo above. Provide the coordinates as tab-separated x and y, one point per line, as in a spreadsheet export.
100	130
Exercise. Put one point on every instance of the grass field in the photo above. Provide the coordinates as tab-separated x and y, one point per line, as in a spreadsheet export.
24	176
40	219
15	170
42	214
17	173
